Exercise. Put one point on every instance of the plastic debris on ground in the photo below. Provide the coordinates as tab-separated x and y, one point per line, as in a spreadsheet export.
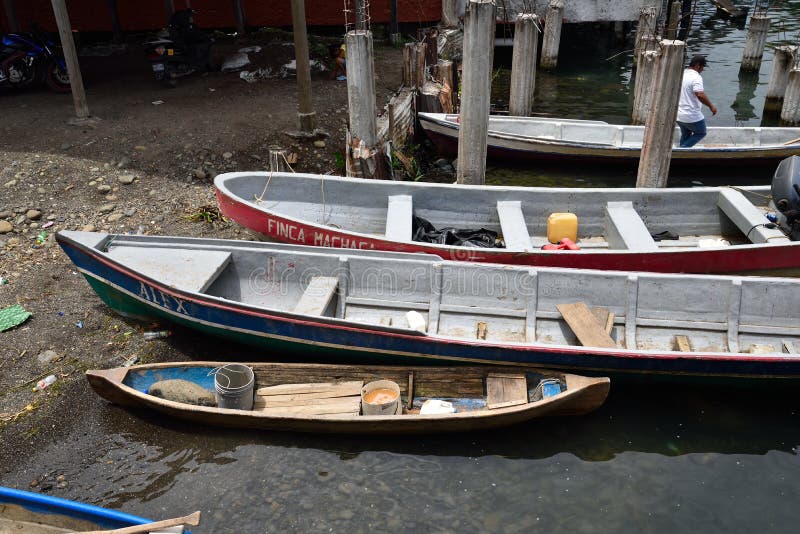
157	102
235	61
12	316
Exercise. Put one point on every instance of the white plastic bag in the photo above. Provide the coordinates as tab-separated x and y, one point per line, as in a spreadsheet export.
415	321
436	406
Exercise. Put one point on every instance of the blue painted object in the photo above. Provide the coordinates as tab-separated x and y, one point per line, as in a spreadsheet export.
550	388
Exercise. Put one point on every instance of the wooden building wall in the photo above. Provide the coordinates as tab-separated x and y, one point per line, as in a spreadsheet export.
136	15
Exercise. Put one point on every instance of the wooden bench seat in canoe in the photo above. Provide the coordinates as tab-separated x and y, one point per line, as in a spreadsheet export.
399	215
748	218
317	299
512	225
625	229
326	398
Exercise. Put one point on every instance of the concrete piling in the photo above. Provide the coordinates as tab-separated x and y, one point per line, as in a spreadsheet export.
523	64
782	63
553	20
361	86
479	25
790	114
643	86
645	31
754	44
660	126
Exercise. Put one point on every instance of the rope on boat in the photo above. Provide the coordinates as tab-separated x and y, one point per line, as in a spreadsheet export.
260	198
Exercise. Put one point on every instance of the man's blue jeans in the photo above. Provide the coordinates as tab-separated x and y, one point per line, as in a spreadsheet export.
691	132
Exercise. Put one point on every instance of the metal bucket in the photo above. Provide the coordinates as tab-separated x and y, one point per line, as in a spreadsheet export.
233	386
381	397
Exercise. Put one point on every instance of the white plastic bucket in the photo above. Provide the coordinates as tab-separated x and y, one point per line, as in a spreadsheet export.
381	397
233	386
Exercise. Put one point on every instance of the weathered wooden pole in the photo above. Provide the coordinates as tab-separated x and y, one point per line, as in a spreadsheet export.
71	58
790	114
361	14
394	33
277	159
449	14
674	19
660	126
445	76
476	86
116	28
523	64
754	44
11	16
552	34
305	108
361	86
646	73
782	63
169	9
645	31
239	17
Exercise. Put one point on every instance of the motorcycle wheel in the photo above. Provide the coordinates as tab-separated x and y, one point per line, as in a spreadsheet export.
56	78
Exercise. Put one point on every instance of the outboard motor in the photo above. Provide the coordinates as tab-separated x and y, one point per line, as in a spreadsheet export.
786	195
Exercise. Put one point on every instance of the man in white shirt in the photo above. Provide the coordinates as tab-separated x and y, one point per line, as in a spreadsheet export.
690	116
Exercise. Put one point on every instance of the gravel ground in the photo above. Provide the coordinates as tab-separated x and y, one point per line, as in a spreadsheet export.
143	166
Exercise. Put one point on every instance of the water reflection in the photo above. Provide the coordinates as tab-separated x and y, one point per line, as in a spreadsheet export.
742	106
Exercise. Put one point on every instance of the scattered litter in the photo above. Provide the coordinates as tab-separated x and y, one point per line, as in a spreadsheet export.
254	76
79	324
44	382
130	361
41	238
436	406
61	314
235	62
3	281
247	49
157	102
12	316
155	335
48	224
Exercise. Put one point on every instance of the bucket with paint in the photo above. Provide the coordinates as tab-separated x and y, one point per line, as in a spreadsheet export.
381	397
233	386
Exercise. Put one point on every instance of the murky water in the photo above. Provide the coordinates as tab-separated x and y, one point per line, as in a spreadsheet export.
665	458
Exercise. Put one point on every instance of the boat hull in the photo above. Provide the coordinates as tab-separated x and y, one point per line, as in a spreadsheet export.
325	339
509	148
127	387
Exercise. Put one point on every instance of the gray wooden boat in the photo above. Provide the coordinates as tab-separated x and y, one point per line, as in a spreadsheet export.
531	138
697	230
327	398
328	304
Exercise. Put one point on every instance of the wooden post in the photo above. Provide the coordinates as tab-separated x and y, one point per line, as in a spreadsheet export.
785	57
643	86
552	34
361	15
277	159
239	17
361	86
444	75
754	45
115	25
394	33
71	58
646	30
674	19
479	25
790	114
660	127
11	16
169	9
523	64
449	15
305	108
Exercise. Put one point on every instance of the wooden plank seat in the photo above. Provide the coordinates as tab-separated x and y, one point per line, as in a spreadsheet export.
327	398
748	218
512	225
399	217
188	270
625	229
318	296
504	390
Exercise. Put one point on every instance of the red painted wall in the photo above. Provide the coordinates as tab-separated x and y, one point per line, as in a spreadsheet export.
94	15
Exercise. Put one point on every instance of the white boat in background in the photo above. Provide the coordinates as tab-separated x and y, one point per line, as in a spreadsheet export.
531	138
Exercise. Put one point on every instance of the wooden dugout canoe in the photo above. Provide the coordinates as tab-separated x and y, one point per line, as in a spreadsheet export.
35	513
533	138
332	407
328	305
615	225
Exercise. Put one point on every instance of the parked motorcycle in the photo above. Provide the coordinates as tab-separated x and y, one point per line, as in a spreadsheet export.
183	51
30	58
